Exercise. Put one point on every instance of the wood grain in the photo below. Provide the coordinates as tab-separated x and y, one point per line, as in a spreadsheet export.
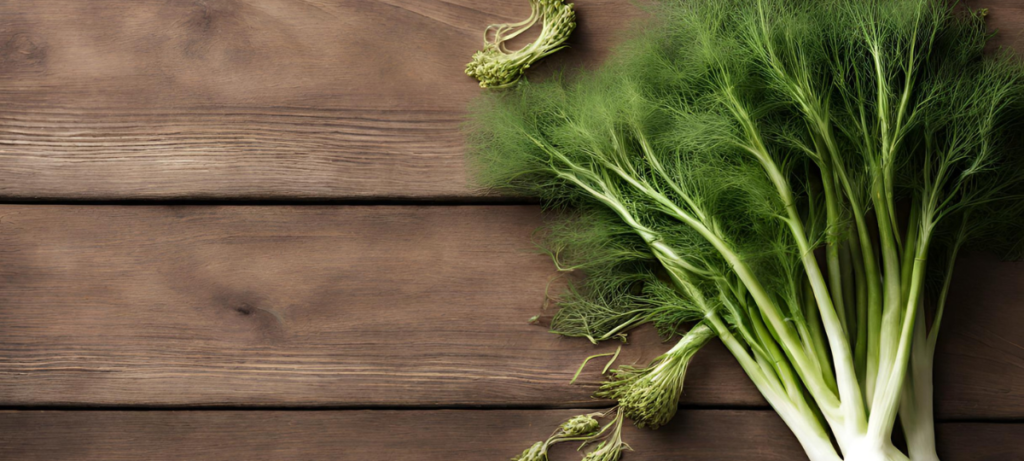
697	435
284	306
250	99
1005	18
980	354
357	307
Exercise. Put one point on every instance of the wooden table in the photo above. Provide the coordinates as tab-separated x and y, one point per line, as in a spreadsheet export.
242	230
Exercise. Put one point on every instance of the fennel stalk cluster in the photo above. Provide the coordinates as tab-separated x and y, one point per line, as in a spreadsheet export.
795	177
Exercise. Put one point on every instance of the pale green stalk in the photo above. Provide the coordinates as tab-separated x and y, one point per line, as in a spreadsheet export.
917	403
812	436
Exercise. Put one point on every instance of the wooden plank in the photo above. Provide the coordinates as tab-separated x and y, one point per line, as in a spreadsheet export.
252	99
980	354
360	306
698	435
1006	18
344	306
260	99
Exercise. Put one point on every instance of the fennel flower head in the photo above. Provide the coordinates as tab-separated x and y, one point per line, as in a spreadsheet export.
650	405
579	425
649	396
536	452
497	67
605	452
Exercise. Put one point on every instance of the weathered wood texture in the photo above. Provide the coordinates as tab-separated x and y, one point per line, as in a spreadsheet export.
980	356
350	306
1006	18
259	99
697	435
359	306
279	99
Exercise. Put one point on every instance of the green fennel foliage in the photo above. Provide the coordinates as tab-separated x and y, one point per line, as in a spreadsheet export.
795	176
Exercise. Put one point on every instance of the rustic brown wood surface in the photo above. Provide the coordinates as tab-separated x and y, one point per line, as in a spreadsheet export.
278	99
360	306
697	435
340	306
328	309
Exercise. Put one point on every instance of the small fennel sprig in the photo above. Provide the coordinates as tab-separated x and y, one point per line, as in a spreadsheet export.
610	446
578	428
495	66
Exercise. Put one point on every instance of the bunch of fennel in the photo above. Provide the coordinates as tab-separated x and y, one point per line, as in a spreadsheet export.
795	177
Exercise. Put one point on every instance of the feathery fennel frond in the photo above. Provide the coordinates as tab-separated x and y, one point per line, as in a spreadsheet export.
727	147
